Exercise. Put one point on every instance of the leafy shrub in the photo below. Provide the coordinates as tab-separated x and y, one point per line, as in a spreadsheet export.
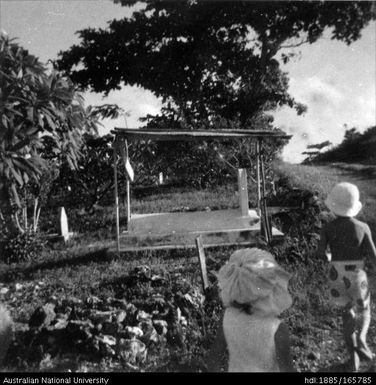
18	247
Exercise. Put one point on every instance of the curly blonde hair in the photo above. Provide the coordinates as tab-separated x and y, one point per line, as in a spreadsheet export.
6	332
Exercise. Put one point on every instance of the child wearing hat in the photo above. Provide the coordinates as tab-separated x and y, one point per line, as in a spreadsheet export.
349	241
6	332
253	290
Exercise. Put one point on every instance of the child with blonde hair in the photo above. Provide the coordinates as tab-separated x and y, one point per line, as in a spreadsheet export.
6	332
350	242
253	289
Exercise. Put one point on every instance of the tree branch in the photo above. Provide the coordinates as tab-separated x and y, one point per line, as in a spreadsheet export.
35	223
18	223
38	214
295	45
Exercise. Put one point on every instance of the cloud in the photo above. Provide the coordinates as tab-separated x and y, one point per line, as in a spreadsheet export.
316	92
330	107
148	108
134	100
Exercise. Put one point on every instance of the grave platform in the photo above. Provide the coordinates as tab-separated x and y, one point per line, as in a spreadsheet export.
179	230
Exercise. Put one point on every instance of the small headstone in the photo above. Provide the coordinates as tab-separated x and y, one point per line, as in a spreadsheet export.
63	224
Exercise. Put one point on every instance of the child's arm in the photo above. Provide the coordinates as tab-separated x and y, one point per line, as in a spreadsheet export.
214	358
282	346
322	246
368	245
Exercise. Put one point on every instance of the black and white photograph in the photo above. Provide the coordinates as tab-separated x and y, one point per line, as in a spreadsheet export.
187	186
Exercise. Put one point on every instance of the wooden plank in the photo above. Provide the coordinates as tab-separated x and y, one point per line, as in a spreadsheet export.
183	247
124	249
193	221
128	202
181	135
202	262
281	209
265	218
243	192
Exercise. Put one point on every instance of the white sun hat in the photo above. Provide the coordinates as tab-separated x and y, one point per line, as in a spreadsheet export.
343	200
253	277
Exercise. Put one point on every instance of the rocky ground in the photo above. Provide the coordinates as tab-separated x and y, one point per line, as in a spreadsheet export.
156	315
156	322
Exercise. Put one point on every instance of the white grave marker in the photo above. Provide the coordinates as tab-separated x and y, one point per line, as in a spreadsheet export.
63	222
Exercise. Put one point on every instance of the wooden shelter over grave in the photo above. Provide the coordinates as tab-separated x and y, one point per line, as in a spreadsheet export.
179	229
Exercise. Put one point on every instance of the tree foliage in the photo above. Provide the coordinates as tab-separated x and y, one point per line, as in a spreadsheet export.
90	181
356	147
208	59
40	111
214	64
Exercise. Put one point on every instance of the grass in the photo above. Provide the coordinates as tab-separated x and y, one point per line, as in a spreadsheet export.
185	199
307	177
100	224
323	178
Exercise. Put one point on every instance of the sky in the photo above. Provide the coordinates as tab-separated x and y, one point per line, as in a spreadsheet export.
337	82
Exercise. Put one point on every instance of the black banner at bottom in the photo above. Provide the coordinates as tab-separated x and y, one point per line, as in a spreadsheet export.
124	378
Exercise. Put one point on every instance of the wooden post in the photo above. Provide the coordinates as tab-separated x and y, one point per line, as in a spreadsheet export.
265	218
243	191
25	209
258	177
202	262
114	145
128	203
128	191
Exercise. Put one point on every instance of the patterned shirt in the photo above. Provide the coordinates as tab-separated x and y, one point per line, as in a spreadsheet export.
348	239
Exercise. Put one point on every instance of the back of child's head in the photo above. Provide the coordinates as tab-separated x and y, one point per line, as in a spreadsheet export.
343	200
253	277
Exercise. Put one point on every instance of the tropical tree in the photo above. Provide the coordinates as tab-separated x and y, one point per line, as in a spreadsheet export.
36	106
213	63
91	180
209	59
